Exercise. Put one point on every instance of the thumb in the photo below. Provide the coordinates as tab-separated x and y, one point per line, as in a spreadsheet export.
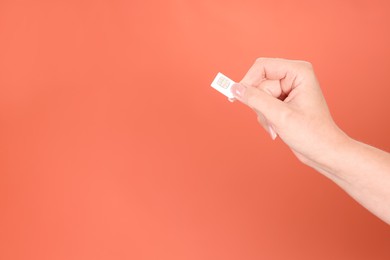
272	108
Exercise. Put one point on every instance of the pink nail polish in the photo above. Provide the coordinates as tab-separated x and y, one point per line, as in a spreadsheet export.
272	132
238	90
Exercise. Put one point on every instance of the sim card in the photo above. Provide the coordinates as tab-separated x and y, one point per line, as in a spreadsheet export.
223	84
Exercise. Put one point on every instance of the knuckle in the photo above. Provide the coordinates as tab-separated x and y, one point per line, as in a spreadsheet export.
260	60
306	65
305	68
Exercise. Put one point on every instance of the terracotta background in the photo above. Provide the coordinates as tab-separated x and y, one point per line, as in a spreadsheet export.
114	146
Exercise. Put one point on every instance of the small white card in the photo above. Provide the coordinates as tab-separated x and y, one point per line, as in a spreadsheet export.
223	84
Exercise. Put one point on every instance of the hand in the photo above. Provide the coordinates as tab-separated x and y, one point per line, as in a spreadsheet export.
288	101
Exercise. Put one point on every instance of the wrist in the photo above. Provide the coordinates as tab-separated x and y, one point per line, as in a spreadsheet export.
334	156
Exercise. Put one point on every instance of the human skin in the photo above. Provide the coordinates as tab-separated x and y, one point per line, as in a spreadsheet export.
289	103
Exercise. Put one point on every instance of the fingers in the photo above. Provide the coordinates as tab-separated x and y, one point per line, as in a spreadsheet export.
272	108
287	72
270	82
272	87
266	125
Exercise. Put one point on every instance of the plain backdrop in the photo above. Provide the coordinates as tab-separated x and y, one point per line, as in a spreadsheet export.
114	146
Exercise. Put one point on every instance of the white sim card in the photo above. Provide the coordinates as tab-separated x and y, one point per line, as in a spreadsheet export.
223	84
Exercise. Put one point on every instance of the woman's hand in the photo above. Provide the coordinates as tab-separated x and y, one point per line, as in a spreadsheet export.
288	101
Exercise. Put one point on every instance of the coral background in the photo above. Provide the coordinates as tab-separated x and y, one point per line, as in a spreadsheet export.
114	146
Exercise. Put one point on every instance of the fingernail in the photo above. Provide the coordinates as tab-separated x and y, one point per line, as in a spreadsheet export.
272	132
238	90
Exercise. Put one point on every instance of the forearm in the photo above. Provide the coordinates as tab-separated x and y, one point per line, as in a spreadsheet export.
364	173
